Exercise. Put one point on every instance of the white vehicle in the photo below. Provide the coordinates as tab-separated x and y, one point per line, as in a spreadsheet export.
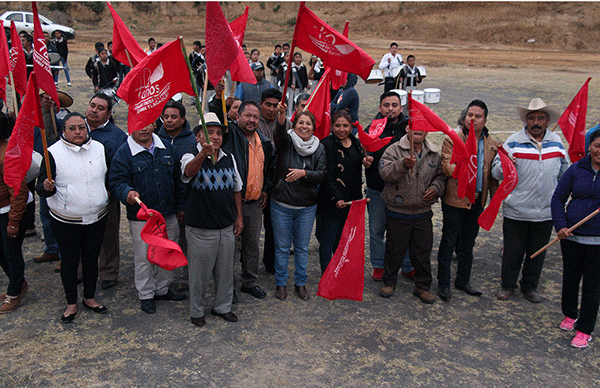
24	22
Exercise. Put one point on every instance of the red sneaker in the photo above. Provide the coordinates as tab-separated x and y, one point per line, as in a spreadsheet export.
409	275
378	274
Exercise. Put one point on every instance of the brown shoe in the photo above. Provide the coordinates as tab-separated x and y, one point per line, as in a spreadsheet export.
504	293
532	296
10	303
280	292
386	291
424	295
24	289
46	257
302	292
57	268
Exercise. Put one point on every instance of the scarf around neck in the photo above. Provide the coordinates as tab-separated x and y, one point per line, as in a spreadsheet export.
304	148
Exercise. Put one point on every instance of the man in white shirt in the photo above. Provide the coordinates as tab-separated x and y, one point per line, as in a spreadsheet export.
391	63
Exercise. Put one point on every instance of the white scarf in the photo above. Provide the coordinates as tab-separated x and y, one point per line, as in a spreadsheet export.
304	148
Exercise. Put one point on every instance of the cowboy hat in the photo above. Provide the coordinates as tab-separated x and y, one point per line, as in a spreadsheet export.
211	118
64	99
538	105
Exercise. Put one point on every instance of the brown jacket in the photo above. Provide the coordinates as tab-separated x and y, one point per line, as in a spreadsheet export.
18	203
489	183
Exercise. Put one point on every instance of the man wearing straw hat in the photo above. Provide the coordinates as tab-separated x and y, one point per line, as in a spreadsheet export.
541	160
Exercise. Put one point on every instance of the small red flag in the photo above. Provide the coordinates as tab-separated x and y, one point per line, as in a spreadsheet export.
17	61
238	27
163	252
511	178
371	140
344	277
17	159
41	63
316	37
338	77
572	123
3	89
124	42
319	104
466	169
4	57
150	85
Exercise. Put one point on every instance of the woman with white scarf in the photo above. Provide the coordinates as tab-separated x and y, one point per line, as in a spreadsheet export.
301	168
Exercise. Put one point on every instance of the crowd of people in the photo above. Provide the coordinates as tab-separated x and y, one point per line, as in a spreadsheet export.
263	167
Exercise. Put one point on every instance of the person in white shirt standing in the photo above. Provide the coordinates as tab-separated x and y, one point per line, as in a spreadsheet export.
391	64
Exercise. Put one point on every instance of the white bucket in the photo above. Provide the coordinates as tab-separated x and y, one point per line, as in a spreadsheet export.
403	96
418	95
432	95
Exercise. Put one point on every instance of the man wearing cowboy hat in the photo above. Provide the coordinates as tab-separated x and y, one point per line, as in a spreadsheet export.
541	160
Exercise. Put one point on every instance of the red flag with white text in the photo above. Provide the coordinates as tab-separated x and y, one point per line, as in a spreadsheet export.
319	104
344	277
466	169
511	178
338	77
163	252
152	83
316	37
572	123
17	159
17	61
371	140
124	43
41	63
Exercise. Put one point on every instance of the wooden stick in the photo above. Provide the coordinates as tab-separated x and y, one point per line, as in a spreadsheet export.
204	92
556	125
350	203
137	199
53	116
46	155
595	212
14	93
223	102
129	58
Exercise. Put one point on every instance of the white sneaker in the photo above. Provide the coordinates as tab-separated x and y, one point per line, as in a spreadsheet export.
69	84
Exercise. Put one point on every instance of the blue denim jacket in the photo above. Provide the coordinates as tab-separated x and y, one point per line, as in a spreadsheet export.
156	177
111	137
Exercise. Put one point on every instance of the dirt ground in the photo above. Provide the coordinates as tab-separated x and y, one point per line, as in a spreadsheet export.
468	342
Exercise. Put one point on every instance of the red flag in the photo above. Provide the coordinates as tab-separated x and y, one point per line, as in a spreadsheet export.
238	27
17	61
466	169
319	104
572	123
240	68
41	63
150	84
17	159
3	89
4	57
371	140
316	37
123	41
163	252
338	77
344	277
511	178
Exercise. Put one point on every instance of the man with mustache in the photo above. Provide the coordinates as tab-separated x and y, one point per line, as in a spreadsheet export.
541	160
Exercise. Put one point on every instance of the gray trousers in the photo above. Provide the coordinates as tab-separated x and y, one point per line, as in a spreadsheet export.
108	261
150	279
210	253
252	212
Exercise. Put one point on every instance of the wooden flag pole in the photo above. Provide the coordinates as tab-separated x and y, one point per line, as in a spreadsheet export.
350	202
14	92
224	104
137	199
46	155
204	92
572	228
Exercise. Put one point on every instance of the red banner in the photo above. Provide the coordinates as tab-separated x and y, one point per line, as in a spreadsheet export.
319	104
238	27
371	140
124	43
163	252
41	63
572	123
240	68
511	178
17	159
4	57
344	277
150	85
338	77
466	169
17	61
316	37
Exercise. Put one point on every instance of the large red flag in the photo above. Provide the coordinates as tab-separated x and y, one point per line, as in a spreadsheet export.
371	140
572	123
511	178
124	43
17	61
338	77
238	27
319	104
344	277
163	252
41	63
466	169
316	37
17	159
150	85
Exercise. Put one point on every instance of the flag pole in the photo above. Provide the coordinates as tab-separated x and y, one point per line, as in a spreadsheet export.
43	133
196	99
128	58
14	92
204	91
224	104
289	69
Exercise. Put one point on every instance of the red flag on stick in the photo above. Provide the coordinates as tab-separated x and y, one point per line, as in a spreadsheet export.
511	178
163	252
466	169
240	68
238	27
344	277
338	77
316	37
319	104
17	61
41	63
124	43
17	159
4	65
150	84
572	123
371	140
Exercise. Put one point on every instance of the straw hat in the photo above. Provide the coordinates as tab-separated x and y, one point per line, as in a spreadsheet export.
538	105
211	119
64	99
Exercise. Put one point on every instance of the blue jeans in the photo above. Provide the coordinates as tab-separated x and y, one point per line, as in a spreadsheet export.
49	239
376	208
291	225
66	69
